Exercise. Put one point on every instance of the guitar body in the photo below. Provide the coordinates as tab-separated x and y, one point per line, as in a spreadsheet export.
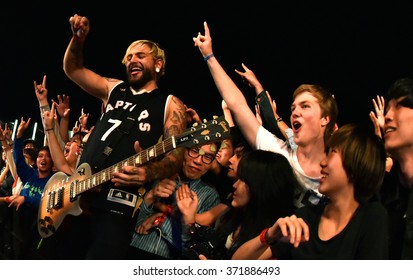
57	201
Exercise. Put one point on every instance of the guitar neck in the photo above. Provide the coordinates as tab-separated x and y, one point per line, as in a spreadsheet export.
138	159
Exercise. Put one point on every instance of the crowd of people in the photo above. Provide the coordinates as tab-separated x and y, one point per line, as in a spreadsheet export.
268	189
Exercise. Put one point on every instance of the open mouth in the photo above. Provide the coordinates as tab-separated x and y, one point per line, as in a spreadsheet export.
296	125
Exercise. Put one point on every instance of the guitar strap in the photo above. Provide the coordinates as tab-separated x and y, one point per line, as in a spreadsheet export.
128	120
141	193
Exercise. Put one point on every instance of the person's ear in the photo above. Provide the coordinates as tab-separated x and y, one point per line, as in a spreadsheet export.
325	121
158	66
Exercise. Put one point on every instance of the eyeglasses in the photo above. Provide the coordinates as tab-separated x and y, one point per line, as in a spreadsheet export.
206	158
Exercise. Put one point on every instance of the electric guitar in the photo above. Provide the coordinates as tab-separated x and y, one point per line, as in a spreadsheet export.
61	195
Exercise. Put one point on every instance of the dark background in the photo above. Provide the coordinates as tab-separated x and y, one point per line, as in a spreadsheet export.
356	50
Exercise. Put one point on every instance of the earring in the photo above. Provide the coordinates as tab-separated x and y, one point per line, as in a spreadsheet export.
157	70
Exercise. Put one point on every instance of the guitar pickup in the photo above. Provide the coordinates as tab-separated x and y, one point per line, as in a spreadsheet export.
59	198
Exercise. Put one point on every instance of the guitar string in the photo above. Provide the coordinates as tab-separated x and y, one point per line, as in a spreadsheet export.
88	182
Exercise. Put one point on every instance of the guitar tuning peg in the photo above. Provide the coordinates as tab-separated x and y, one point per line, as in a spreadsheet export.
205	120
215	117
195	124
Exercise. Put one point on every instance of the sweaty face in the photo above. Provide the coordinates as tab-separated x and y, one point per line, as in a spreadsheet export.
140	66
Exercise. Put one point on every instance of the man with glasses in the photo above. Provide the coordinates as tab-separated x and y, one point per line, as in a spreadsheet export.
158	235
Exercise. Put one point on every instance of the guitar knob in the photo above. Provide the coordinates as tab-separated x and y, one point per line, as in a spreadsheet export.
42	221
44	229
48	219
51	228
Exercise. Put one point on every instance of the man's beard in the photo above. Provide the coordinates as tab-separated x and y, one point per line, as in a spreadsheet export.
139	83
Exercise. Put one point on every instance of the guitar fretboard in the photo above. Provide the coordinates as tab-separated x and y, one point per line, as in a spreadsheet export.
136	160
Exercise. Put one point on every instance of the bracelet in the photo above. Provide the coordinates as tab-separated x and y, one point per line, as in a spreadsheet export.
263	240
7	199
159	220
208	56
168	210
279	119
48	129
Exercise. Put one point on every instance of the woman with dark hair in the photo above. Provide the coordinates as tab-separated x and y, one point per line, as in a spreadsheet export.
350	225
263	193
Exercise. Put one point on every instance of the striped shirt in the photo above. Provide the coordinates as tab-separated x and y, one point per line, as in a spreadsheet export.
164	242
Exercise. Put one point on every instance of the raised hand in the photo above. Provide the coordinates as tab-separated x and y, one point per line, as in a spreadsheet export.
378	117
83	121
187	202
80	26
41	92
49	117
204	42
5	134
250	79
76	128
22	127
62	106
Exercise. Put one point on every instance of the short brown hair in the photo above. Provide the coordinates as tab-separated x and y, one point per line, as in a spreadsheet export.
364	158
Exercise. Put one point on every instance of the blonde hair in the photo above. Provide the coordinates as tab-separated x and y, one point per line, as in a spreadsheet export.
155	50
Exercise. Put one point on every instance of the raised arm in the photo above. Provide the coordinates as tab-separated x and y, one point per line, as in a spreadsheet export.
227	114
267	110
42	94
231	94
63	109
5	136
73	62
250	79
55	150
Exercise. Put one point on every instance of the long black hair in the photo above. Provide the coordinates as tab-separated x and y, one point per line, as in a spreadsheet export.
272	183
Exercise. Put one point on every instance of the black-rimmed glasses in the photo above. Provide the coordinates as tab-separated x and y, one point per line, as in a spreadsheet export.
196	152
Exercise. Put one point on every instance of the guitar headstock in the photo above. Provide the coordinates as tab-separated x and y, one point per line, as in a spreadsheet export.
211	131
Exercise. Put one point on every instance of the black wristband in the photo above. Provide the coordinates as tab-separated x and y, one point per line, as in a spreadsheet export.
260	96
